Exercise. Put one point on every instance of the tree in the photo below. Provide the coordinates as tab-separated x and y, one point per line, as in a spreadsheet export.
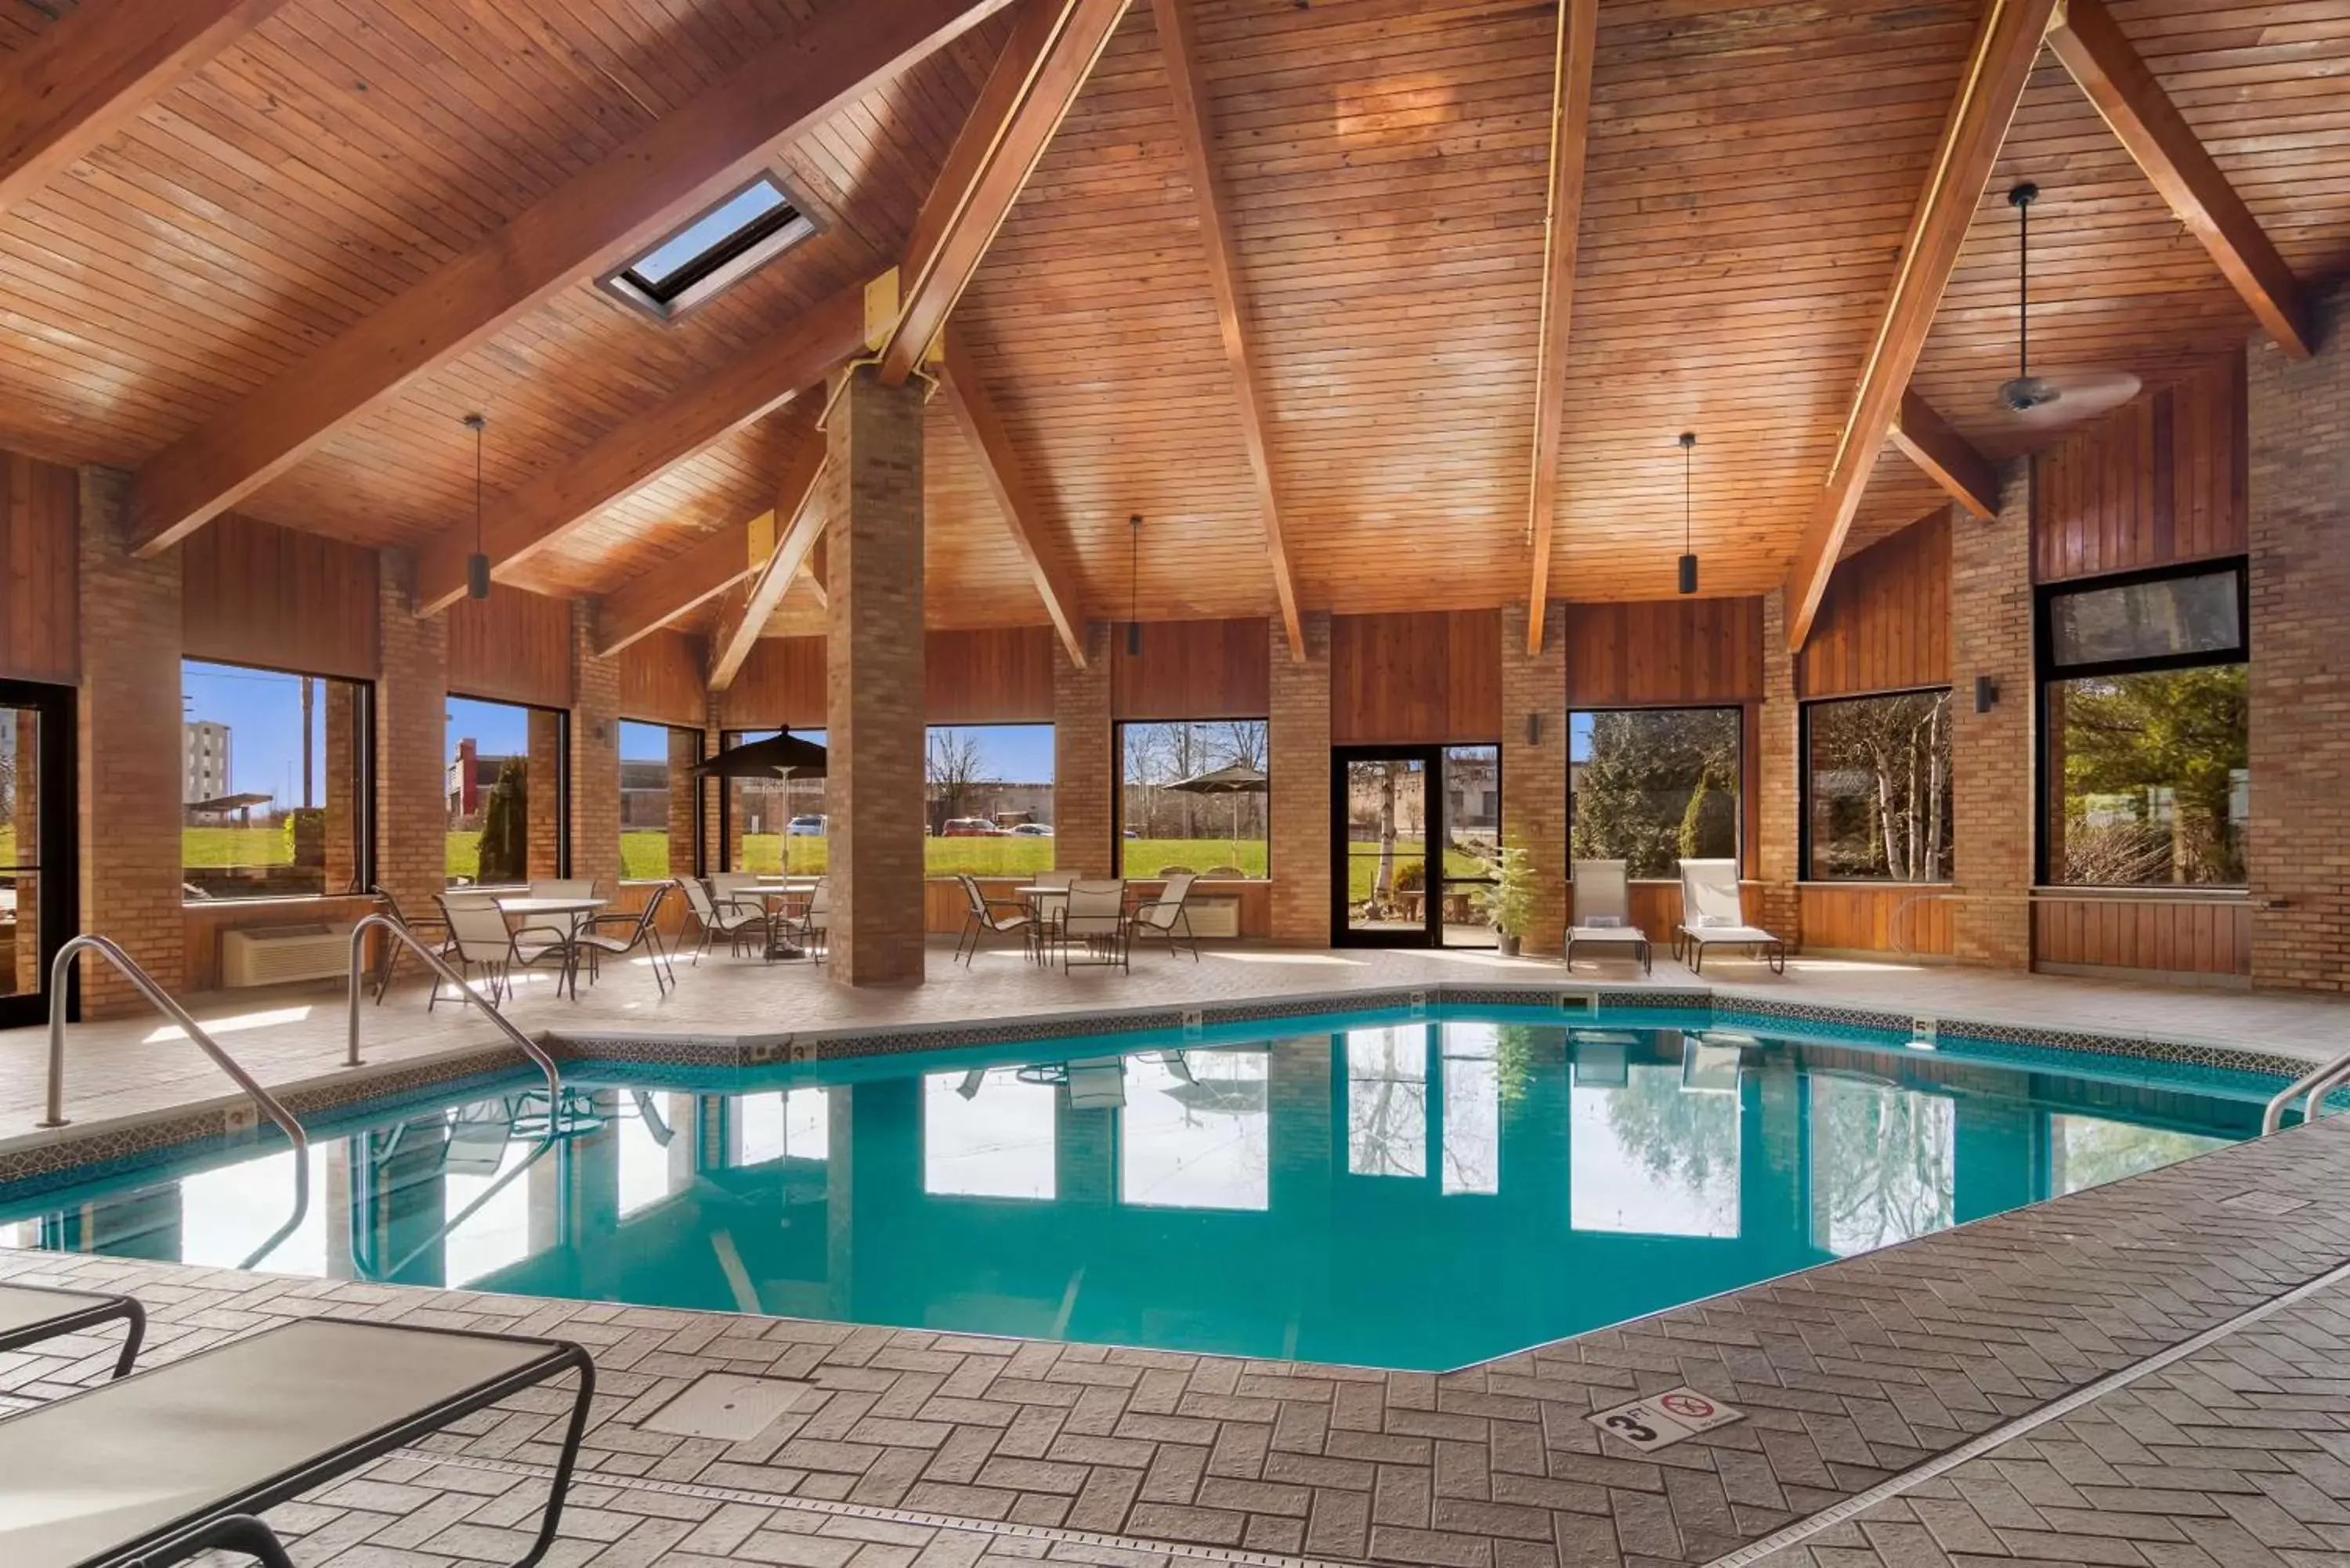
1659	785
1880	778
2151	764
951	765
505	827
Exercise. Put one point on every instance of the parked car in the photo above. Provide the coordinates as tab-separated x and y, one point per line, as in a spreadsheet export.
806	827
1031	830
971	828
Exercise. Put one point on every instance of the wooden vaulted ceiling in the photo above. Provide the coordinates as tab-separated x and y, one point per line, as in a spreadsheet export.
1367	248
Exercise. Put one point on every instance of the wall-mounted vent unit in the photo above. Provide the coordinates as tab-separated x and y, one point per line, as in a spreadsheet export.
1213	917
271	955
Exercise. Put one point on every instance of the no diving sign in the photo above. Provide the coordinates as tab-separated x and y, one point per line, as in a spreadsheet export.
1661	1420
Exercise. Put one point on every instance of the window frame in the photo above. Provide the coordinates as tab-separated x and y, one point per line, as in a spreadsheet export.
2046	673
1746	796
1118	728
562	776
721	264
1803	872
694	786
364	786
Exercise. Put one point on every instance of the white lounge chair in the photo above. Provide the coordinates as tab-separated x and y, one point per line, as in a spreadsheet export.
31	1314
1602	912
1711	916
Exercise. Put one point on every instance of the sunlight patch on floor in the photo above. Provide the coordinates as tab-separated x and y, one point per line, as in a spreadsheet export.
234	1023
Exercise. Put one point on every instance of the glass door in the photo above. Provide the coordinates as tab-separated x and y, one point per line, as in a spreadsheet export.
1472	837
37	875
1381	818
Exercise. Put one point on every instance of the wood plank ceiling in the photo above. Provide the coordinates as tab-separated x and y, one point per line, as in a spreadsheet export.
1749	174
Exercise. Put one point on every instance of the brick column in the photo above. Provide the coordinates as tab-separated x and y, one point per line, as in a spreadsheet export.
542	822
725	839
684	800
2298	415
595	754
1297	748
411	743
130	773
1992	816
873	493
342	769
1086	765
1777	854
1533	771
25	973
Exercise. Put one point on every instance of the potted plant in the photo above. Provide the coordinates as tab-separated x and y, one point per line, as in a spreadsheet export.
1512	901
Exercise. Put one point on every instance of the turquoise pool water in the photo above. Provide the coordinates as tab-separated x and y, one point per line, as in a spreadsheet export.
1420	1192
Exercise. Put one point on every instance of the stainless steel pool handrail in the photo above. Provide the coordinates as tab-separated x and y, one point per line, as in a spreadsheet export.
2317	1083
441	971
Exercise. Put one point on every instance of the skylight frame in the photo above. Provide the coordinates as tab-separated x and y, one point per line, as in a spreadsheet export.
723	263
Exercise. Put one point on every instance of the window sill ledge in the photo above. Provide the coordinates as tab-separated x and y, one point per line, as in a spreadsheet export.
2060	893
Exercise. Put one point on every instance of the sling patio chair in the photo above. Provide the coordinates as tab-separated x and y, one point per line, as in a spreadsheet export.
1711	916
1602	912
1163	917
1096	920
431	930
980	920
31	1314
180	1459
625	934
730	920
479	939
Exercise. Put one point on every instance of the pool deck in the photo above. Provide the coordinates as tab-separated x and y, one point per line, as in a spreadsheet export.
135	1070
2198	1317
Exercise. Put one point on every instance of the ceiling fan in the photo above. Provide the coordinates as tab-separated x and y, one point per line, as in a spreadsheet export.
2057	397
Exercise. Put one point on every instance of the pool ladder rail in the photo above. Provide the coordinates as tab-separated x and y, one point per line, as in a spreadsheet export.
2317	1083
443	974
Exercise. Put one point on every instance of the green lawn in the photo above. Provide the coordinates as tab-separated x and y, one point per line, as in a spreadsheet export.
9	844
236	846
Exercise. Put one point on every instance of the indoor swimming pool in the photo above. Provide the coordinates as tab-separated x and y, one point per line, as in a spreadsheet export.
1419	1192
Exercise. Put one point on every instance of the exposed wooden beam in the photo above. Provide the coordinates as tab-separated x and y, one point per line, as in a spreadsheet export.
1570	136
1038	543
751	603
2116	78
815	570
1054	45
636	609
641	450
1944	456
1181	50
1998	67
583	228
91	75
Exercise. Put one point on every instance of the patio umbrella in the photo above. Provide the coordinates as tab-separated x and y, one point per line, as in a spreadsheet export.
785	756
1234	779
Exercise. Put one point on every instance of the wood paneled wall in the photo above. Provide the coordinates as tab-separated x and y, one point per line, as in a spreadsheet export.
1659	653
1193	669
780	684
1871	918
40	573
1415	678
512	647
253	592
1003	676
661	680
2159	480
1885	623
2170	937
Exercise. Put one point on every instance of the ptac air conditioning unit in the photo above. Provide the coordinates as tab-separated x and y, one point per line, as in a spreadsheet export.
271	955
1212	916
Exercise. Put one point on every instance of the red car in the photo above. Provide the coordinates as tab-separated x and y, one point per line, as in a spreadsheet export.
970	827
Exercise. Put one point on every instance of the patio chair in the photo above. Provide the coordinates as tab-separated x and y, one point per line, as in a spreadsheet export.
640	931
1096	919
479	940
1095	1084
1223	874
431	929
566	887
812	928
31	1314
180	1459
1163	917
980	920
1711	916
737	889
730	920
1602	912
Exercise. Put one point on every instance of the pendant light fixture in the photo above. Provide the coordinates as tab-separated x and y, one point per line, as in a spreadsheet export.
1689	552
477	565
1134	586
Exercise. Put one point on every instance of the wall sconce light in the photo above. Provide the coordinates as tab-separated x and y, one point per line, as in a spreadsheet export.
1986	693
1533	728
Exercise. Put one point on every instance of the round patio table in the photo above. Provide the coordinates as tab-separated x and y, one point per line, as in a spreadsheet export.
580	911
777	893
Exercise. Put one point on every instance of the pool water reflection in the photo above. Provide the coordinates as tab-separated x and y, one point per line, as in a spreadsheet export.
1416	1194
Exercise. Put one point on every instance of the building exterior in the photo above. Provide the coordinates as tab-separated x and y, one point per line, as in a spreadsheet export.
204	761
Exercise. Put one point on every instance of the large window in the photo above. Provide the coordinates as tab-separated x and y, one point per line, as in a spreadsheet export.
1877	788
2146	719
660	826
988	789
274	776
505	794
1654	786
773	824
1216	826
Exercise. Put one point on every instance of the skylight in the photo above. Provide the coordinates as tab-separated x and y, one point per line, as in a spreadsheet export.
749	228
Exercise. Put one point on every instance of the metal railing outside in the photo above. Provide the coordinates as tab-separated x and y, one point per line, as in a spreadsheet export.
2317	1083
442	974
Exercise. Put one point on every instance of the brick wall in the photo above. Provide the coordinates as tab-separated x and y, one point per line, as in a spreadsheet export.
1297	748
2298	414
1991	824
1778	810
684	800
411	712
543	817
871	492
129	751
595	754
342	765
1534	773
1085	761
